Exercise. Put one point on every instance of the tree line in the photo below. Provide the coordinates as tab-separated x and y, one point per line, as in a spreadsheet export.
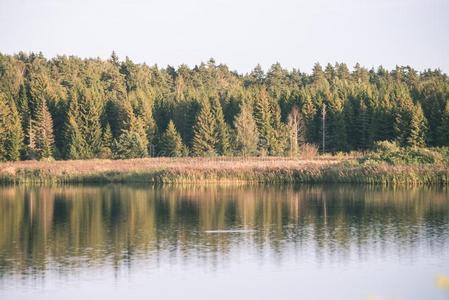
72	108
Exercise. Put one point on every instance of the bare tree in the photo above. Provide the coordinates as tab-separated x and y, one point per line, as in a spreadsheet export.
297	131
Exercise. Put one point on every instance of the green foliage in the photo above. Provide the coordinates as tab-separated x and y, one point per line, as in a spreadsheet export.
391	153
132	142
63	106
263	117
171	142
204	138
83	127
12	141
443	128
42	130
246	135
417	129
222	145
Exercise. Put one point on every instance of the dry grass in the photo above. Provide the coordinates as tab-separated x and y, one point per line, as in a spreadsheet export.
254	169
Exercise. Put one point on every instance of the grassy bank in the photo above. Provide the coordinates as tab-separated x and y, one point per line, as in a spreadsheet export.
231	170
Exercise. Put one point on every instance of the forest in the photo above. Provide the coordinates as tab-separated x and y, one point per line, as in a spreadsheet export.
72	108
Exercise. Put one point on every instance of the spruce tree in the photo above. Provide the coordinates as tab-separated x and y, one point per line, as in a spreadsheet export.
76	144
171	142
4	112
83	127
221	130
14	142
142	102
43	132
107	138
279	138
204	135
418	126
77	147
246	134
402	116
443	129
132	142
11	133
106	143
262	116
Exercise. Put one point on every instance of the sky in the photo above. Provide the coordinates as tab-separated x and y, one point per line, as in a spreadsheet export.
239	33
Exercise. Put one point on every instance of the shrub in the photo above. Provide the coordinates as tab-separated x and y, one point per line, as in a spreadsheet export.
390	153
386	146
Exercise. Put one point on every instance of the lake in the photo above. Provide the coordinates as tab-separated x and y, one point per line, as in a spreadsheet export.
231	242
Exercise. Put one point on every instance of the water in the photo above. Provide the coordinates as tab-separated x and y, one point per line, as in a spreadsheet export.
210	242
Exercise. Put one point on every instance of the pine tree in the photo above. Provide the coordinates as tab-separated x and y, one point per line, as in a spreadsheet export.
246	134
107	138
43	132
91	110
402	118
204	137
142	102
418	126
279	139
262	116
443	130
132	142
221	130
14	142
106	143
83	127
11	133
77	147
171	142
4	112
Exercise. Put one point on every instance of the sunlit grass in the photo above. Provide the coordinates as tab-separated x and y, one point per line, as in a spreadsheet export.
326	169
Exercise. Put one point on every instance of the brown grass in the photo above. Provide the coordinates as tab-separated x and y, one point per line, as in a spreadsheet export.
254	169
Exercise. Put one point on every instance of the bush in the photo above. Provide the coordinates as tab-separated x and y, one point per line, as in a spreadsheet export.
386	146
390	153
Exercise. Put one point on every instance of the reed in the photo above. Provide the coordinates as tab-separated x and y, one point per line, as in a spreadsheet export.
272	170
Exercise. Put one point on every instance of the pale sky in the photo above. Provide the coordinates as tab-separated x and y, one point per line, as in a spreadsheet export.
236	32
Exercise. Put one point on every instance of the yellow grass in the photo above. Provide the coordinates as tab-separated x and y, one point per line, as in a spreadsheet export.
253	169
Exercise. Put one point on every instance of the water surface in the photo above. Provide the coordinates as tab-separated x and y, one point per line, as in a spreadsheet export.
210	242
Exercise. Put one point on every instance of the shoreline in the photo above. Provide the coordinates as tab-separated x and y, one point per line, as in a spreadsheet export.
222	170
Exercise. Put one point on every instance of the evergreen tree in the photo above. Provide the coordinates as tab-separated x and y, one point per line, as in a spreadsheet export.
132	142
418	126
221	130
12	140
43	132
262	116
77	147
83	127
4	113
204	137
90	101
246	134
142	102
171	142
444	127
402	118
107	138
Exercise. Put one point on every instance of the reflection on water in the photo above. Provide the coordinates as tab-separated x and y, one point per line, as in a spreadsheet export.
246	242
